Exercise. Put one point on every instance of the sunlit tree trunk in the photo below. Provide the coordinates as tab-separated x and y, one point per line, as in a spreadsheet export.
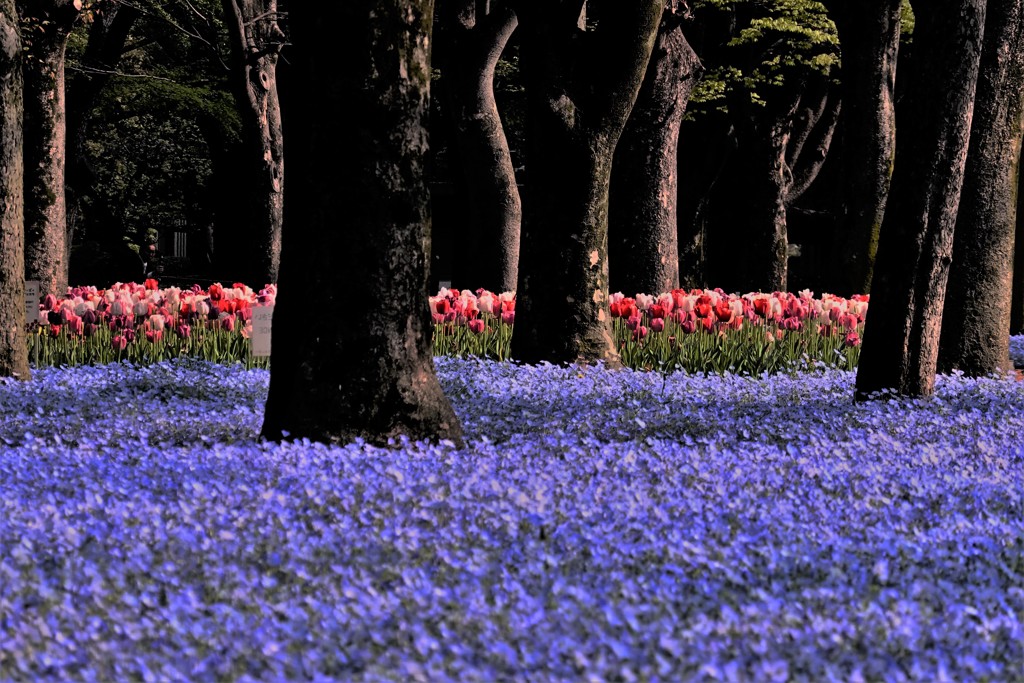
975	334
643	223
47	250
13	347
901	340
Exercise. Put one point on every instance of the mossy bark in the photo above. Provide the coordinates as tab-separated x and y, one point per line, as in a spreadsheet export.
352	367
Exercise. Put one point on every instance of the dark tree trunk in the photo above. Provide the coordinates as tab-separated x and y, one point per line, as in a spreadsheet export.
357	369
901	340
13	347
870	36
107	38
976	318
581	86
256	41
643	222
46	240
1017	304
490	205
782	148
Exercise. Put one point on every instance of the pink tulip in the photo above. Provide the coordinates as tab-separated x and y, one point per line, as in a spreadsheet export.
508	317
119	342
477	325
658	325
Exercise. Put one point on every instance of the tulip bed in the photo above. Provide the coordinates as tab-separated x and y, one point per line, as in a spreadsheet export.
698	330
612	526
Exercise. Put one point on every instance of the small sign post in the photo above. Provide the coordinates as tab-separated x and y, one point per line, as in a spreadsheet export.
32	294
260	339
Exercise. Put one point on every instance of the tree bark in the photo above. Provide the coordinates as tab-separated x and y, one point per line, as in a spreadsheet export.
782	148
1017	304
581	86
870	36
901	340
256	41
492	210
643	222
356	368
47	249
108	36
13	346
975	335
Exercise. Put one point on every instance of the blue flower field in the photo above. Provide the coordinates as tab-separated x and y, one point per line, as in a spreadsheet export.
599	526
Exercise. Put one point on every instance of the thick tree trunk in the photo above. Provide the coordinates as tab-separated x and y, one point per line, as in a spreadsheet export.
643	223
492	209
976	317
870	36
356	368
901	340
13	347
256	41
47	249
581	87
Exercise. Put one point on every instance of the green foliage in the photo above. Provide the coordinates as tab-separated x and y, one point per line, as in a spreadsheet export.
767	43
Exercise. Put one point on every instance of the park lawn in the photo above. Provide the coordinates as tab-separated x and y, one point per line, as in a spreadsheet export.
598	526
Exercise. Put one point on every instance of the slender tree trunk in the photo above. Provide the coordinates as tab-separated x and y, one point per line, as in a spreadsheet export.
108	36
492	207
901	340
870	35
256	41
976	318
13	347
1017	304
46	246
357	369
581	87
643	223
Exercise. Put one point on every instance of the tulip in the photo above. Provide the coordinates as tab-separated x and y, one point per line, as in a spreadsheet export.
153	336
723	311
216	292
151	284
658	325
508	317
639	333
656	311
852	339
477	325
119	342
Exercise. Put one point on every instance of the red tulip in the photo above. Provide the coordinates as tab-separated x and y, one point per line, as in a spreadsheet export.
656	311
216	292
723	311
476	325
151	285
119	342
852	339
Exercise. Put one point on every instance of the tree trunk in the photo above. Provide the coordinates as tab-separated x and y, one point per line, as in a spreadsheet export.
976	317
901	340
13	346
581	87
355	368
256	41
492	208
870	36
643	223
107	38
46	247
1017	305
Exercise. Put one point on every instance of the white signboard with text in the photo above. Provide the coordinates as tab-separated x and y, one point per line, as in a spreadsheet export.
32	294
260	339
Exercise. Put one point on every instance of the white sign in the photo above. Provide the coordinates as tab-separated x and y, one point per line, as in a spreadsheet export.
260	339
32	294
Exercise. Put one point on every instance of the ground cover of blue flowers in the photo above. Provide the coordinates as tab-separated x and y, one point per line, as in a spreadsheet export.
599	525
